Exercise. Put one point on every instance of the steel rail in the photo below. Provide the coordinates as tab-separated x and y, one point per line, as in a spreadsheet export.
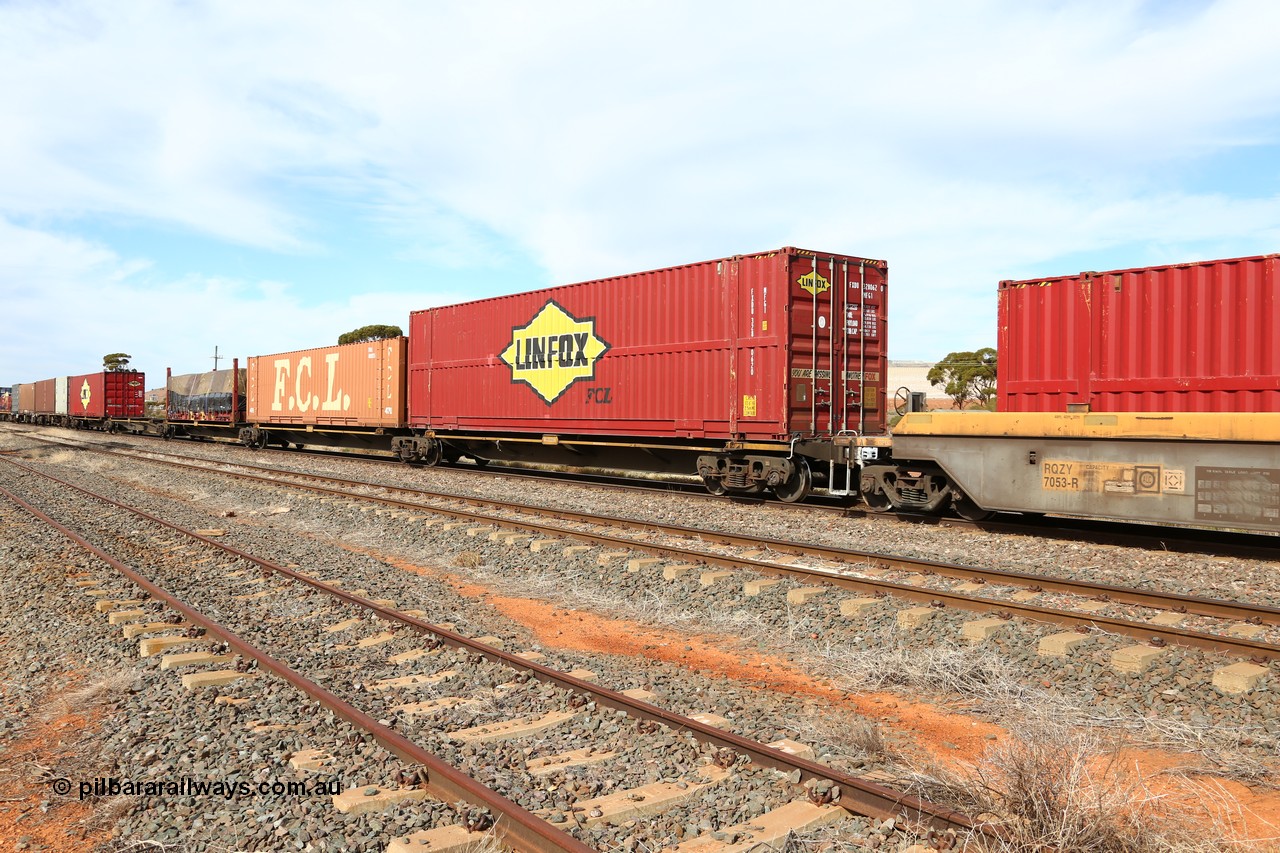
864	797
1070	528
1260	614
516	826
1196	540
1252	545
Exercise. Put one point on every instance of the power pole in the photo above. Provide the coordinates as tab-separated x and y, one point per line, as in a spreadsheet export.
216	357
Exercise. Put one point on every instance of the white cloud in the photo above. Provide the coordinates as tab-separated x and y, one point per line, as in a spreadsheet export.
60	317
961	142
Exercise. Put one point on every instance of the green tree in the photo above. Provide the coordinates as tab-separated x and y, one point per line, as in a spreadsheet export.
369	333
967	376
116	361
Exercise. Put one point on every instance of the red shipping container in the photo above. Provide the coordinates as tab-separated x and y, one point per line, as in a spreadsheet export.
354	385
108	394
26	397
1198	337
741	347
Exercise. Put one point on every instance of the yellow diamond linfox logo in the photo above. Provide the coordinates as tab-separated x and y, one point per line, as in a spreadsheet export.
553	350
86	394
814	283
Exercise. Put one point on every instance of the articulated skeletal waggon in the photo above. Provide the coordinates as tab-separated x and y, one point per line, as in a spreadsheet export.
1146	394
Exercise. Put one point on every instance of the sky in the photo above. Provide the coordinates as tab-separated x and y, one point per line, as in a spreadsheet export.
262	176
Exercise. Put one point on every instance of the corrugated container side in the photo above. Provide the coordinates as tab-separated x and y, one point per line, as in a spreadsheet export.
26	397
126	393
46	397
108	394
1196	337
87	397
354	385
700	350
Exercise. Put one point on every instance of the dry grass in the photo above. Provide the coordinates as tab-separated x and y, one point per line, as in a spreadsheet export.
1228	752
1055	786
1059	781
468	560
104	689
852	742
984	677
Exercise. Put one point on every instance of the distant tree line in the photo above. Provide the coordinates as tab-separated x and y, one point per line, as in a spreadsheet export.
364	334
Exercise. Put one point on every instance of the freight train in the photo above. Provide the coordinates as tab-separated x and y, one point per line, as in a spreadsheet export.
103	400
1145	394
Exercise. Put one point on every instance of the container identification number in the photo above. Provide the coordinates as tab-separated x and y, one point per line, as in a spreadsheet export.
1111	478
1059	476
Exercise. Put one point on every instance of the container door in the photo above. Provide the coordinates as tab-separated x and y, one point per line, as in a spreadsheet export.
837	345
861	348
814	393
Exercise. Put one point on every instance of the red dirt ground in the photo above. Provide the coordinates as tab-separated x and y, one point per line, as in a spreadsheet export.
65	825
952	738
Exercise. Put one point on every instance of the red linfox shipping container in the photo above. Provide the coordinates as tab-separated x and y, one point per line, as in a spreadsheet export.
1197	337
118	394
736	348
354	385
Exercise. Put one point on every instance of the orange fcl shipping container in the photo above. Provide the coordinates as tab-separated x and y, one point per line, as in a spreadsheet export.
354	385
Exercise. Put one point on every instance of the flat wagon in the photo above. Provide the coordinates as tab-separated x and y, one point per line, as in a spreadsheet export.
1149	394
205	405
754	370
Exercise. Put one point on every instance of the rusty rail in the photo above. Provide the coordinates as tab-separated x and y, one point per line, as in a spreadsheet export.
1146	632
516	826
858	795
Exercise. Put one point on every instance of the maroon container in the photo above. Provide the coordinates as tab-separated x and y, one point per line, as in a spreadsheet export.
740	347
107	394
1199	337
46	399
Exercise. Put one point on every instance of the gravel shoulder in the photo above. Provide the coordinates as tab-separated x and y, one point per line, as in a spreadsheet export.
872	696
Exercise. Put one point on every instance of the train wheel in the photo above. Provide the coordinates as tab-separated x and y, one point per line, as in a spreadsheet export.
714	485
877	501
433	456
875	497
798	485
968	510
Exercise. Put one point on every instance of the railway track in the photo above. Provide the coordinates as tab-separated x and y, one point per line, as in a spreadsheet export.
1245	545
1239	629
270	604
1180	539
